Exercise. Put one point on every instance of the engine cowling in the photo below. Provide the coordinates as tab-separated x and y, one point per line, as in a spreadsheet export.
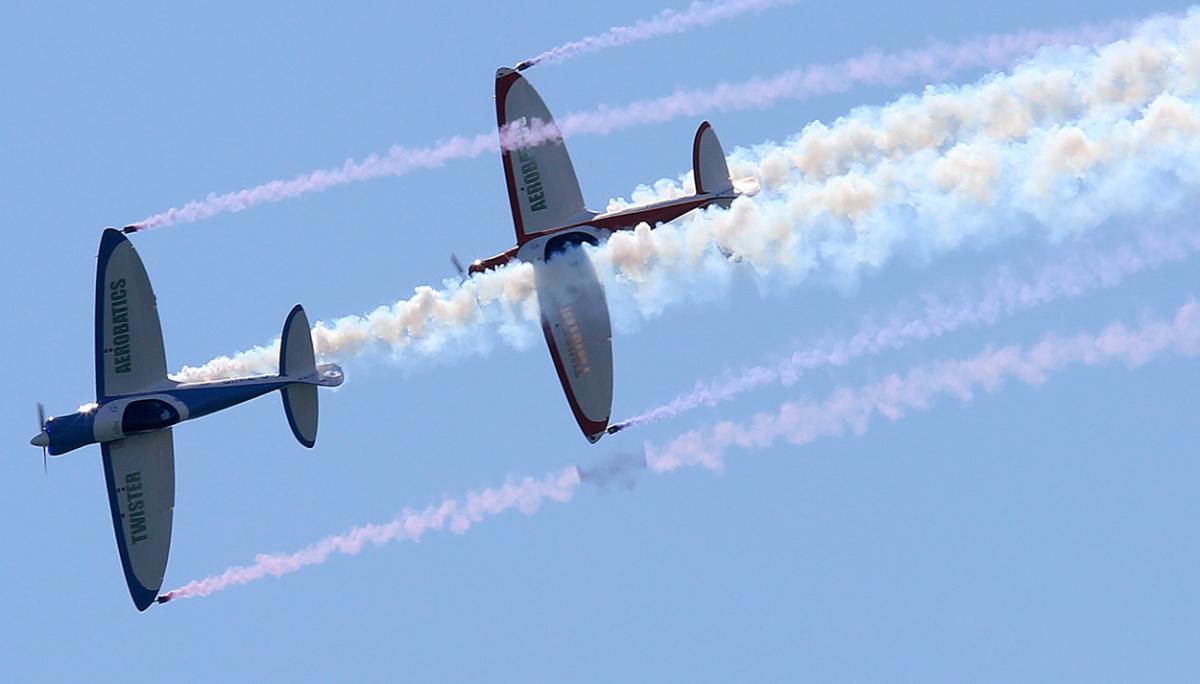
69	432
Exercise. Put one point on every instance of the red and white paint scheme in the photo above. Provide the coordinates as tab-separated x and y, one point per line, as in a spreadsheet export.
550	220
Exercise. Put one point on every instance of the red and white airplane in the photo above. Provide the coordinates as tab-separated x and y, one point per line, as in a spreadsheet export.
551	220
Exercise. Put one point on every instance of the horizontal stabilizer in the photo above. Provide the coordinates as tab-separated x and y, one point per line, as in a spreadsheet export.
300	405
296	357
708	162
297	361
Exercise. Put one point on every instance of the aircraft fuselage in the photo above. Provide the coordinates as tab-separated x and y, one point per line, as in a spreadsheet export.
601	225
119	417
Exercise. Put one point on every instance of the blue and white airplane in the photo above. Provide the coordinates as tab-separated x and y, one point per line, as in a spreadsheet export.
137	405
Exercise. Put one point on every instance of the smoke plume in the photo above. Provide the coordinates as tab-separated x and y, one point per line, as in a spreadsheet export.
934	62
851	410
666	22
1004	293
1065	143
454	515
847	410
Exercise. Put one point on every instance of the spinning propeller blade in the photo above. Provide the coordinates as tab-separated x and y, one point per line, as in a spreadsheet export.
462	273
42	426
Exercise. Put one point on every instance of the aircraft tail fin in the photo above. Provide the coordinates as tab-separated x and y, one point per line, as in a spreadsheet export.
712	172
708	162
298	362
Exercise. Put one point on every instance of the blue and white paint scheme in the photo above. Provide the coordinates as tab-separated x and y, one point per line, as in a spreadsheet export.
137	406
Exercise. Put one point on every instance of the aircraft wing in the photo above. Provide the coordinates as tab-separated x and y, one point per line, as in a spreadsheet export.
542	188
578	332
140	474
129	344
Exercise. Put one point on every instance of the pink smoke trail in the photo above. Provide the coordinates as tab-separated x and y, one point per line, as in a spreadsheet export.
398	161
458	516
666	22
846	409
849	410
935	61
1004	294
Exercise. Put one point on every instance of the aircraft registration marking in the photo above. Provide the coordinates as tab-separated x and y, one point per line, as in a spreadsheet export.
576	349
534	194
122	357
135	504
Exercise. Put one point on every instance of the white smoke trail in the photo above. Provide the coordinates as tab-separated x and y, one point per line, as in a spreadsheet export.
850	410
1058	147
936	61
847	410
1004	293
454	515
1063	144
424	324
666	22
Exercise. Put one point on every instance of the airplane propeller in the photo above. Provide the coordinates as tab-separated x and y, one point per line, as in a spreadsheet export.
43	439
462	274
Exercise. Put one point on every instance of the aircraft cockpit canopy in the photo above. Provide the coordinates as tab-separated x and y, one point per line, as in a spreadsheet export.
145	415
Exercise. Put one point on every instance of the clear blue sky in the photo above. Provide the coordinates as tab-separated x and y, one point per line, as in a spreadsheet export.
1034	534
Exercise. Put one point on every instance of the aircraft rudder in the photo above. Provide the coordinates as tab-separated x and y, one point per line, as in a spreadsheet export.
708	162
